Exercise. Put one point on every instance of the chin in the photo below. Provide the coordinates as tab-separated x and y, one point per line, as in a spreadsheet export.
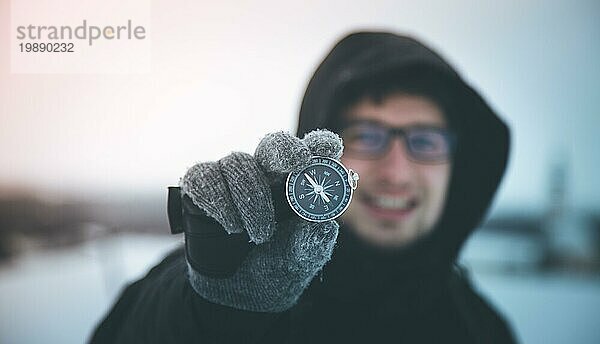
397	240
382	235
398	234
382	230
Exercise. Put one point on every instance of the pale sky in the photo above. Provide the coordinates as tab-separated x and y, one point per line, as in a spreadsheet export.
223	74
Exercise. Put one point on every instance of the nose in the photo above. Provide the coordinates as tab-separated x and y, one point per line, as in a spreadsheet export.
395	168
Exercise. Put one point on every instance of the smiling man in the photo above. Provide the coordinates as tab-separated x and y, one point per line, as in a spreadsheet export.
430	153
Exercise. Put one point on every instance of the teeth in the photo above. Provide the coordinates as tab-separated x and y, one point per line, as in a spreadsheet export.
391	202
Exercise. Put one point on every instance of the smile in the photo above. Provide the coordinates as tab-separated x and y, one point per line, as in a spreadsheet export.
392	203
389	206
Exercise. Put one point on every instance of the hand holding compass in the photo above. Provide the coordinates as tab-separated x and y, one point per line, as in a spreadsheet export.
265	254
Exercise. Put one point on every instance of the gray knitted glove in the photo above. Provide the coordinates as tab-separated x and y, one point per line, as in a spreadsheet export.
236	191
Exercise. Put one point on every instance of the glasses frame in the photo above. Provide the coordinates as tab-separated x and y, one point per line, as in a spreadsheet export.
402	133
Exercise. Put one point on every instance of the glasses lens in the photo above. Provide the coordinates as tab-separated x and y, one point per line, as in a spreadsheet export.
365	140
428	144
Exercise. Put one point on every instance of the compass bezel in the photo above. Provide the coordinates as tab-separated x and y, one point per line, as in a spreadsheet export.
305	213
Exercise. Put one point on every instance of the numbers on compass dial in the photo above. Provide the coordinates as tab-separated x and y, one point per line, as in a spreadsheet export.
320	192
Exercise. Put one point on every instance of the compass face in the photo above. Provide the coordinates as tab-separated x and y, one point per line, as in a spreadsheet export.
321	191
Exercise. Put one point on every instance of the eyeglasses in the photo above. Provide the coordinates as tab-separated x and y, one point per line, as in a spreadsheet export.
371	140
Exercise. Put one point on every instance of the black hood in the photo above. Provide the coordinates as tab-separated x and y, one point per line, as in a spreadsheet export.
478	162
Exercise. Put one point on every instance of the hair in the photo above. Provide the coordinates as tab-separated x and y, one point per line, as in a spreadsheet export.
418	81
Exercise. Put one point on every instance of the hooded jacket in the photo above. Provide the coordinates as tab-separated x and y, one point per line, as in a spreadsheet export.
413	295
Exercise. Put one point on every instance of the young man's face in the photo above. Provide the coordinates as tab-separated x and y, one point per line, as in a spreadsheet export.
399	198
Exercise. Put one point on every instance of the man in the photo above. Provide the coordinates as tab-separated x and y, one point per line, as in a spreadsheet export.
430	154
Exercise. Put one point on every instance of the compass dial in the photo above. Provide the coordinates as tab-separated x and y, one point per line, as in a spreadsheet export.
321	191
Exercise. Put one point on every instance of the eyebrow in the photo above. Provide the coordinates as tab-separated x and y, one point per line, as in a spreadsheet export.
382	124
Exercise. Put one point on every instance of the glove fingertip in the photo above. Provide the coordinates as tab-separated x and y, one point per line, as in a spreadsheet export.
206	188
251	195
325	143
281	152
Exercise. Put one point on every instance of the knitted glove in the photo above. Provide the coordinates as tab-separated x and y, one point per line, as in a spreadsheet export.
237	191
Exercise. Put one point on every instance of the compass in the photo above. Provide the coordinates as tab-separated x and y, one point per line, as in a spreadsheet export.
322	191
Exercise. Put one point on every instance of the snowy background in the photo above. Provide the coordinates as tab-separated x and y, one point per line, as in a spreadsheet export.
86	158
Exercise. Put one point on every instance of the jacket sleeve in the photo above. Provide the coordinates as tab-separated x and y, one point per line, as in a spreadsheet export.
163	308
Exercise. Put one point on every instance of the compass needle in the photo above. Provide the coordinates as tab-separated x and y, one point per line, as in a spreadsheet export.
310	180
